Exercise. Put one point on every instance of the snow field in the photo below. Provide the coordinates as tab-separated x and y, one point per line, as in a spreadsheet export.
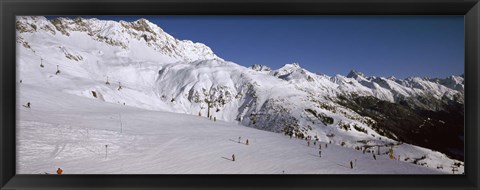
70	132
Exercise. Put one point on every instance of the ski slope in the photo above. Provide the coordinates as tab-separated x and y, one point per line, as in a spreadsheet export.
70	132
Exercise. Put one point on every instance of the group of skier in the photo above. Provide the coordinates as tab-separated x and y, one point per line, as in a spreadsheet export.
239	141
353	163
209	117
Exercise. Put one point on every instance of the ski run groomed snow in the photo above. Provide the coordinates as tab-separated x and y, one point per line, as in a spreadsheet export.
105	97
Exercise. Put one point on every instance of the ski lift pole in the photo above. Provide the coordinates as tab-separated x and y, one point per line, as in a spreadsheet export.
121	124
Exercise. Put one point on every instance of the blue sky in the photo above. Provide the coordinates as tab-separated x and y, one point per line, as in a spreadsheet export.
401	46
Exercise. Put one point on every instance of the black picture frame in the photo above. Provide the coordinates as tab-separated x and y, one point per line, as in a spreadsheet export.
10	8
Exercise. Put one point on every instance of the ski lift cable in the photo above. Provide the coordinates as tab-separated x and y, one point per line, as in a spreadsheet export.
125	84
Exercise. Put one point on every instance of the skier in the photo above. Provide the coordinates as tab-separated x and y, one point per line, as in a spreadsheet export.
233	157
200	114
351	164
308	142
239	138
326	145
246	142
58	71
319	146
59	171
214	118
314	143
374	157
28	104
320	153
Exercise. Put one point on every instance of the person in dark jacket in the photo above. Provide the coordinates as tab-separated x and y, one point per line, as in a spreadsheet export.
233	157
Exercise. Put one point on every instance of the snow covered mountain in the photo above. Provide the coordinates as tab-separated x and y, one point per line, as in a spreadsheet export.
137	64
119	34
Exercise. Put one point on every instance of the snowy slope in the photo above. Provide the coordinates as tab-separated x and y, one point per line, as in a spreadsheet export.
120	65
62	130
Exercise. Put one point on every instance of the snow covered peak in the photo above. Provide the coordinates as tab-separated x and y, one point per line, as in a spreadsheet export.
30	24
294	73
452	82
287	69
291	66
139	34
258	67
146	24
392	78
355	74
